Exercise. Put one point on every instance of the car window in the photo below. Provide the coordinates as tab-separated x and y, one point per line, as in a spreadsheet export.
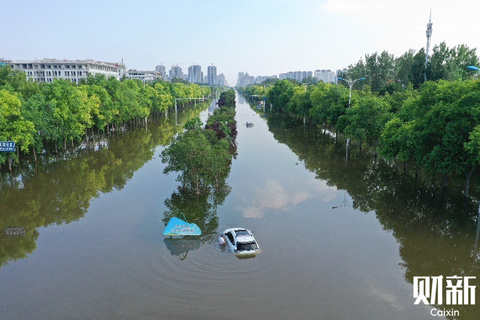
230	237
247	246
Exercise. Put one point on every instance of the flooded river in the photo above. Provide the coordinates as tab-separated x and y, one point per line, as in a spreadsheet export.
340	240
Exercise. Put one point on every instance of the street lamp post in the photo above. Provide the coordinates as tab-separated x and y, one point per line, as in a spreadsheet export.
350	84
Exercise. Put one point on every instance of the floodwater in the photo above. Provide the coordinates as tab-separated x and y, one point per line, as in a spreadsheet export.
339	239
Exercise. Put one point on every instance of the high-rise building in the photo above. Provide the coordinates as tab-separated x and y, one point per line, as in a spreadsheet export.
244	79
327	76
195	74
47	70
161	69
176	72
221	80
296	75
212	75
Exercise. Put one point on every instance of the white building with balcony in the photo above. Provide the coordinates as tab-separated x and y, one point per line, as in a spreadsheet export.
47	70
144	76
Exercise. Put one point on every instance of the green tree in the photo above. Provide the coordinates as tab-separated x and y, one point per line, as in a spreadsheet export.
329	103
199	162
281	94
13	126
380	71
451	63
366	119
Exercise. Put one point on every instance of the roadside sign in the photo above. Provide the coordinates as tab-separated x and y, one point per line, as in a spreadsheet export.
7	146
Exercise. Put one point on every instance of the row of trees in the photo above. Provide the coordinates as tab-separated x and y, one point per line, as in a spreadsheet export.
37	116
203	155
435	127
383	72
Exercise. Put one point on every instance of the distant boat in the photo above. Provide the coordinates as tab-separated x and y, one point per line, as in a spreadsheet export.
178	227
249	124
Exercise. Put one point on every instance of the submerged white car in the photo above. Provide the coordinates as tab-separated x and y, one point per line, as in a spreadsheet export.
241	241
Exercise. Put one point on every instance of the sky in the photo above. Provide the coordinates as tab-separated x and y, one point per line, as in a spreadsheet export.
261	37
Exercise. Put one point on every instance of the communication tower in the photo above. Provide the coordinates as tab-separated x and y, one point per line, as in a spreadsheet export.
429	35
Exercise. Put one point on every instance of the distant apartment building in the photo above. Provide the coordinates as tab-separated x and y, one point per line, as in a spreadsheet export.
212	75
161	69
144	76
221	80
176	73
195	74
296	75
327	76
47	70
244	79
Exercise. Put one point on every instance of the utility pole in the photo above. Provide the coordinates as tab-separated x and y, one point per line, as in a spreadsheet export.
429	35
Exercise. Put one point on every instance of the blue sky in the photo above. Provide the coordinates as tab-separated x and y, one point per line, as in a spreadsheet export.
262	37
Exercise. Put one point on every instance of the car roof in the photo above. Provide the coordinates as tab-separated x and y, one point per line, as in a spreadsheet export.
238	231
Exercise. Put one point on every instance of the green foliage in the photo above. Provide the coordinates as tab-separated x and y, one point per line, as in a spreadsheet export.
227	99
203	156
281	94
385	73
437	129
13	125
329	103
451	63
366	119
61	111
194	124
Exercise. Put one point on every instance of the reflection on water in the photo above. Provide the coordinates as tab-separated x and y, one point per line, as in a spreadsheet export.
437	231
181	247
59	191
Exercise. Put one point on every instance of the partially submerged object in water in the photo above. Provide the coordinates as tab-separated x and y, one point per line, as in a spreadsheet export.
241	241
178	227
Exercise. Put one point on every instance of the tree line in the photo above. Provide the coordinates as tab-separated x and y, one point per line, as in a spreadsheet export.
203	155
383	72
38	117
435	127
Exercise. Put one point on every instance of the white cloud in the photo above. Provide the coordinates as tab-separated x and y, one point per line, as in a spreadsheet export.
273	195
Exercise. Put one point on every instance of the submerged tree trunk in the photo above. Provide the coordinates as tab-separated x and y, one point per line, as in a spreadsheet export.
9	163
35	154
467	181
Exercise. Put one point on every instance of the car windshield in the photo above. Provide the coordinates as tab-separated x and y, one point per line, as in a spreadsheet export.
247	246
241	233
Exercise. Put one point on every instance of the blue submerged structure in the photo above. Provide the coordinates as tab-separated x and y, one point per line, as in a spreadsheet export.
179	227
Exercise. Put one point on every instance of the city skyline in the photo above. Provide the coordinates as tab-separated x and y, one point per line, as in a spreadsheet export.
259	37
